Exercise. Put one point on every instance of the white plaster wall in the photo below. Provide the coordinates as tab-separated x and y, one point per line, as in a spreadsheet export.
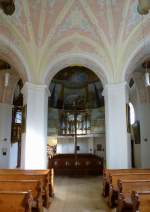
66	145
87	145
144	117
23	146
5	133
137	147
13	155
137	155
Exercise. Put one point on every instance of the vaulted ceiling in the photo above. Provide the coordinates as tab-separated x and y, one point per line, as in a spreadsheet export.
44	31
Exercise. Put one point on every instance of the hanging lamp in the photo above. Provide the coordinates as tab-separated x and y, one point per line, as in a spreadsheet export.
143	7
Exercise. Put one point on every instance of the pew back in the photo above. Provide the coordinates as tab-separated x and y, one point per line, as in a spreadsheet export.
141	201
44	179
48	173
22	185
107	172
15	201
127	176
127	186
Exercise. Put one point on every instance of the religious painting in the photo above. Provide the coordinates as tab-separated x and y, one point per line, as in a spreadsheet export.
128	118
99	147
136	132
4	151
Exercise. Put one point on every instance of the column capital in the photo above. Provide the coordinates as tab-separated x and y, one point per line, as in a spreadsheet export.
31	86
119	84
116	88
35	88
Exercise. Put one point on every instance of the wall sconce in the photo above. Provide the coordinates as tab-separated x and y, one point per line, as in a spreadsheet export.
7	77
146	66
147	79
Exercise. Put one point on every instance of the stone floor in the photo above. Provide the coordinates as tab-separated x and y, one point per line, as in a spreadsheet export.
78	195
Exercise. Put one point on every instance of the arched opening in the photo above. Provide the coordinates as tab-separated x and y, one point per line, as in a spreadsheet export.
76	121
11	102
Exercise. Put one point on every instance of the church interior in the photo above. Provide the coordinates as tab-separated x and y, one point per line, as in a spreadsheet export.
74	105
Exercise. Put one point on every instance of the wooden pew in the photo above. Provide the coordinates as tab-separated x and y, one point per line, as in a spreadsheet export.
47	172
44	179
125	189
14	201
108	172
141	201
113	188
51	183
24	185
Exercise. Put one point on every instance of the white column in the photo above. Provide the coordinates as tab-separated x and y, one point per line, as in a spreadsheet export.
34	140
117	138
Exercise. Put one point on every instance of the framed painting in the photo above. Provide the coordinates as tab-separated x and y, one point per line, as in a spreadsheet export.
136	132
24	114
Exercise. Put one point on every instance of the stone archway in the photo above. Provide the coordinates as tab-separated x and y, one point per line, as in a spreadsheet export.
75	59
11	54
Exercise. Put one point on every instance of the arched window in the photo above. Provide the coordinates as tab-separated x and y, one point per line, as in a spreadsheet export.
132	113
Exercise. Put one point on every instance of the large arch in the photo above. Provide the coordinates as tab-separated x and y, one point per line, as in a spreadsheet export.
138	56
12	55
75	59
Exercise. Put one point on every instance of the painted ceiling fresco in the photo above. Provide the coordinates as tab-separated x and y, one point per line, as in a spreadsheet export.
76	87
75	76
42	31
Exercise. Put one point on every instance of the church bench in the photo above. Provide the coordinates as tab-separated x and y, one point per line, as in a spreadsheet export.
15	201
125	188
107	172
141	201
49	172
113	186
25	185
44	179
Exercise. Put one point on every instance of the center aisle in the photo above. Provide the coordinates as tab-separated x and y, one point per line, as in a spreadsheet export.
78	195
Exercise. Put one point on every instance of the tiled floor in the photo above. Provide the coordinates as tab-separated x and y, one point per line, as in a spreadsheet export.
78	195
